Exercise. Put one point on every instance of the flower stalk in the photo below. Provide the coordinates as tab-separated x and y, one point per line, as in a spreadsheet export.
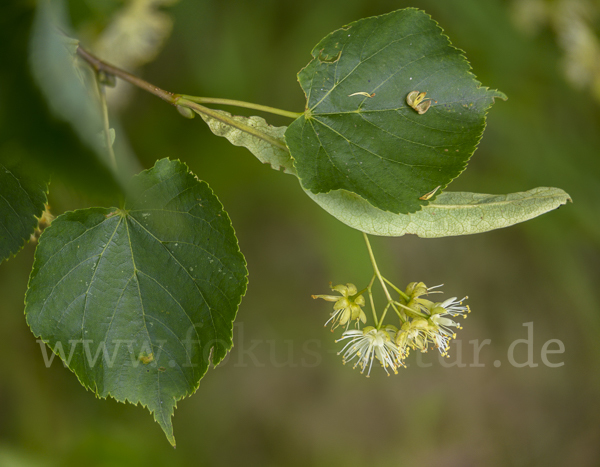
421	323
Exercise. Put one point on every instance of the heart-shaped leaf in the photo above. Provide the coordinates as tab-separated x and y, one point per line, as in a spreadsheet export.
369	128
137	301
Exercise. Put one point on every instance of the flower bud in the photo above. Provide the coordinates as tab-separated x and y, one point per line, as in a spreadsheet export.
186	112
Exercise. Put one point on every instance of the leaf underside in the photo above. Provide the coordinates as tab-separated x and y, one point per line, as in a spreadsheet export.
22	199
358	132
138	301
452	213
267	153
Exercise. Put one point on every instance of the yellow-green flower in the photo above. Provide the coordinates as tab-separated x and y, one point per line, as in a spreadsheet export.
347	307
414	306
435	328
440	325
370	343
413	334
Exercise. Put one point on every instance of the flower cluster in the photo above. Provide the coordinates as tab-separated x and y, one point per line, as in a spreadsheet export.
422	323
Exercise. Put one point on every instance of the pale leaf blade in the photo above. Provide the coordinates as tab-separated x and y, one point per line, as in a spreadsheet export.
453	213
265	152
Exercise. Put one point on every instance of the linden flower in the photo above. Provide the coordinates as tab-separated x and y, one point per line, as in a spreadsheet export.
432	326
415	305
414	334
346	308
371	343
440	325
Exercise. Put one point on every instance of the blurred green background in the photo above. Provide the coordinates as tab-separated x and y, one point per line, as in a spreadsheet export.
283	397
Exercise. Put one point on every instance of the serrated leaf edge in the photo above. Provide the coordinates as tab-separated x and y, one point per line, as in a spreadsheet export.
461	53
12	254
211	359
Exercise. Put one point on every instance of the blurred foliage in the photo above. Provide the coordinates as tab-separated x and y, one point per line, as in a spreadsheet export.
265	411
134	36
575	23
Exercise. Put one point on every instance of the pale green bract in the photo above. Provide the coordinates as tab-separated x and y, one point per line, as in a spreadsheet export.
451	214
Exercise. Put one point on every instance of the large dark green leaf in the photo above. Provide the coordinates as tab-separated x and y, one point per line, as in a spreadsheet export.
22	199
379	147
138	300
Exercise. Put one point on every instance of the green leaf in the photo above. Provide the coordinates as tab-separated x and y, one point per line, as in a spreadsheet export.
22	200
138	301
380	147
267	153
453	213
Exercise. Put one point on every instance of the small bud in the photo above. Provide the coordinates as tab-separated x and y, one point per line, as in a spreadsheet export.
107	79
416	289
185	111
